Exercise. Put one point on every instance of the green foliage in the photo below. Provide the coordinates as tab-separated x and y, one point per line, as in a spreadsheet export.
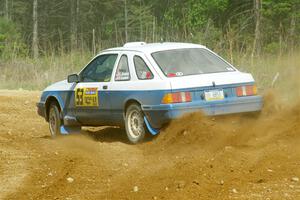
10	40
215	23
227	26
277	9
200	11
8	32
272	48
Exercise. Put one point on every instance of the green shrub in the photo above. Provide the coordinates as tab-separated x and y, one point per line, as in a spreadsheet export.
11	44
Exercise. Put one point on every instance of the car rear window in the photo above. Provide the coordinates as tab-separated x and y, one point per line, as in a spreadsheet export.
184	62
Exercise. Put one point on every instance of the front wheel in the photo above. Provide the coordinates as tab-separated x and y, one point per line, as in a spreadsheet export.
54	120
134	124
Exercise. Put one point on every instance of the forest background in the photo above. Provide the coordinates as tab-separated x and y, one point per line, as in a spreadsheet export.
43	41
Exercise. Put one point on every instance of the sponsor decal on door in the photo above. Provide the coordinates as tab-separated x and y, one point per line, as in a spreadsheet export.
87	97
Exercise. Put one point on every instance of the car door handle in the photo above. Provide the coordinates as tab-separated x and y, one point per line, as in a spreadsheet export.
104	87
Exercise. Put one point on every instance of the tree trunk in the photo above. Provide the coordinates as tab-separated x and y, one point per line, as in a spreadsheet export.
94	42
206	33
116	33
35	48
153	36
292	34
184	25
141	22
230	38
126	21
73	26
256	42
6	10
280	38
61	42
77	21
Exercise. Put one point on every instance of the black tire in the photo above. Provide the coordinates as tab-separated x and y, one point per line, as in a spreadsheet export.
54	120
134	124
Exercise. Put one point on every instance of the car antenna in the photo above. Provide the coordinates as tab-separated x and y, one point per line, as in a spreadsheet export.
214	84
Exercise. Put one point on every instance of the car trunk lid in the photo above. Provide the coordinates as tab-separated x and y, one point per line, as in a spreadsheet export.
211	87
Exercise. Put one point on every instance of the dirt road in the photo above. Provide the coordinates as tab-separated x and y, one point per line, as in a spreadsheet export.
234	157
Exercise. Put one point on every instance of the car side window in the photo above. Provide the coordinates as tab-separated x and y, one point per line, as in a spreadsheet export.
122	72
100	69
142	70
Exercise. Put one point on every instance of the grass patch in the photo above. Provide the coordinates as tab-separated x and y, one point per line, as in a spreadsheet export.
29	74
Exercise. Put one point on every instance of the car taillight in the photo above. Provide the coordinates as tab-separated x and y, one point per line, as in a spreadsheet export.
177	97
246	90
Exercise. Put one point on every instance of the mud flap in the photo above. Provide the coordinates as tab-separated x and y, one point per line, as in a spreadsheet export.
152	130
66	130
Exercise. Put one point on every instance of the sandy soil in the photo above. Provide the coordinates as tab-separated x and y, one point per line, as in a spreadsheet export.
233	157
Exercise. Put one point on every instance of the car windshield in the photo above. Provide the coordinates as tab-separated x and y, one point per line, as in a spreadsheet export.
184	62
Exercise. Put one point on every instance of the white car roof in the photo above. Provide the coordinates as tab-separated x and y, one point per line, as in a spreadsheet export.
153	47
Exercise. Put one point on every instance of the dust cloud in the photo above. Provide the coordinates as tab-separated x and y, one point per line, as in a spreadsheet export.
277	119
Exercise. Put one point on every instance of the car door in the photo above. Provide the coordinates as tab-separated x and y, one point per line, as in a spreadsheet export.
121	88
91	94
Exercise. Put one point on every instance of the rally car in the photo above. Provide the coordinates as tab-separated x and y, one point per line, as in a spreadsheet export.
144	86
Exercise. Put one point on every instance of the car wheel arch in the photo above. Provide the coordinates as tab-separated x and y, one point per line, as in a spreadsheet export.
51	99
128	103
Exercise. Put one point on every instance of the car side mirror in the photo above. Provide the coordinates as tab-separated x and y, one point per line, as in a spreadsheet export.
73	78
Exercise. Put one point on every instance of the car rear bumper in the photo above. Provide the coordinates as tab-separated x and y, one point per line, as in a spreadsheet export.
164	113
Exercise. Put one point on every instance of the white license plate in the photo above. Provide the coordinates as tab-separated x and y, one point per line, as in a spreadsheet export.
214	95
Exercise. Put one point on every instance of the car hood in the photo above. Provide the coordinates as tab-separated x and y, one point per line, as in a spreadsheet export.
207	80
60	86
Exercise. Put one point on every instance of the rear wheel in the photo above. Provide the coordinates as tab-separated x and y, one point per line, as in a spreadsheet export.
134	124
54	120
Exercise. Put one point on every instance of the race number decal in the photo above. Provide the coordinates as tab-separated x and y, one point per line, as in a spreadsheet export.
86	97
